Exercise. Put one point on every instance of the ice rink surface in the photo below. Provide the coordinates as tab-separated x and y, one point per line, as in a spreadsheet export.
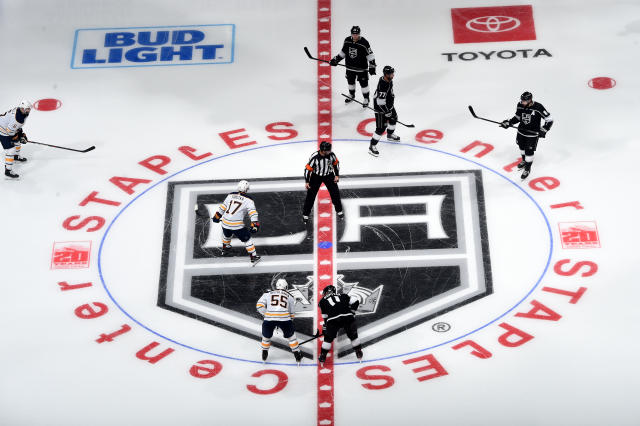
554	343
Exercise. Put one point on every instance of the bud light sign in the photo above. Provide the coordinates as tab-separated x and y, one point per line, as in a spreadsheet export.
153	46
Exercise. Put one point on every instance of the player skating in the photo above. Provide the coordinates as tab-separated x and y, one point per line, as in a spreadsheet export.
359	59
276	306
530	115
12	137
386	115
338	312
230	215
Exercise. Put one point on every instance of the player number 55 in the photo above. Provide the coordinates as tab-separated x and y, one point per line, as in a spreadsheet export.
279	299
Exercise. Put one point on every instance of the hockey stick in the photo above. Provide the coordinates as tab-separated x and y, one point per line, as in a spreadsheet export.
485	119
358	102
91	148
322	60
315	336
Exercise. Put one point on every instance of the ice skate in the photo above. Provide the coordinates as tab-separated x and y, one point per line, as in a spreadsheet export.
265	354
359	353
525	174
19	158
373	151
349	99
255	259
9	175
298	356
393	137
521	165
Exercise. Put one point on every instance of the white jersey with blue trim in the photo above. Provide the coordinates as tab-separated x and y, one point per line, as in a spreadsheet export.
233	209
276	305
9	126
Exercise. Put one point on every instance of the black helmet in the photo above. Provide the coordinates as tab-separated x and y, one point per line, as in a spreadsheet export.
526	96
325	146
355	29
388	69
328	290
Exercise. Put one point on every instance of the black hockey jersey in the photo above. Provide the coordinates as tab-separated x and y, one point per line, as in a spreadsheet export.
357	54
337	306
384	96
530	119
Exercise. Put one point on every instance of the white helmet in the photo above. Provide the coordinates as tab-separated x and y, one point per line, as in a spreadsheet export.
281	284
25	105
243	186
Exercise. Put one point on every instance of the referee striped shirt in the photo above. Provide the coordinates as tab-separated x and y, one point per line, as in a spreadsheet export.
322	166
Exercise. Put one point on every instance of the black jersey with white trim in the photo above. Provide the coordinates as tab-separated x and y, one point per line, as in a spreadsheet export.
530	119
357	54
337	306
384	97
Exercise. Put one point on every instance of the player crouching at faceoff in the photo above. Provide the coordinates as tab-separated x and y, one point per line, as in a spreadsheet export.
276	306
231	213
12	137
530	115
338	311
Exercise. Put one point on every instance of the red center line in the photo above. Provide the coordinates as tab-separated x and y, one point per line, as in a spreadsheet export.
324	211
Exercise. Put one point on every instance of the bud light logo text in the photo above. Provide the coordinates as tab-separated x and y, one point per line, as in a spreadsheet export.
153	46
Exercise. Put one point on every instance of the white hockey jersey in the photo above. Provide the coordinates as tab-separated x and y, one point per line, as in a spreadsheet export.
8	123
233	209
276	305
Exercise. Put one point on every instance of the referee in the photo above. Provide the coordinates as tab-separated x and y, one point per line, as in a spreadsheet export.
322	168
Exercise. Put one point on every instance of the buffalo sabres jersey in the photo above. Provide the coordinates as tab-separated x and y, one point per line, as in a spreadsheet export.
9	124
531	118
233	209
276	305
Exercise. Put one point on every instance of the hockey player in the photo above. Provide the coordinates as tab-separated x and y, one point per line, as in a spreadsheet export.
359	59
386	115
231	215
338	311
12	137
276	306
530	114
323	167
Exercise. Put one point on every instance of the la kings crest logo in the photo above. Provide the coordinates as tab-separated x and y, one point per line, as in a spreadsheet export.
411	247
353	52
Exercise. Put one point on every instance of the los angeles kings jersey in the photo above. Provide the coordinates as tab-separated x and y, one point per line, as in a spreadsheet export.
530	119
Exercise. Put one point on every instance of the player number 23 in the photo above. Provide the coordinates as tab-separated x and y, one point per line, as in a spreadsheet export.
279	300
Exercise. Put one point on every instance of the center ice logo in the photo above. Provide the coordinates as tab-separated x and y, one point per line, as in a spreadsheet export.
153	46
410	249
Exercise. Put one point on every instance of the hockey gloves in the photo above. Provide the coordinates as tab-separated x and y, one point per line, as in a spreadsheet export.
216	218
372	70
543	133
334	61
505	124
254	227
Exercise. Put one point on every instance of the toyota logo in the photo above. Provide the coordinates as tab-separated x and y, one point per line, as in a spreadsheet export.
493	24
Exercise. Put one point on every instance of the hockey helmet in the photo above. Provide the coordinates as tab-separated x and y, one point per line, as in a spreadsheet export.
25	106
526	96
243	186
281	284
328	290
388	69
355	30
325	146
